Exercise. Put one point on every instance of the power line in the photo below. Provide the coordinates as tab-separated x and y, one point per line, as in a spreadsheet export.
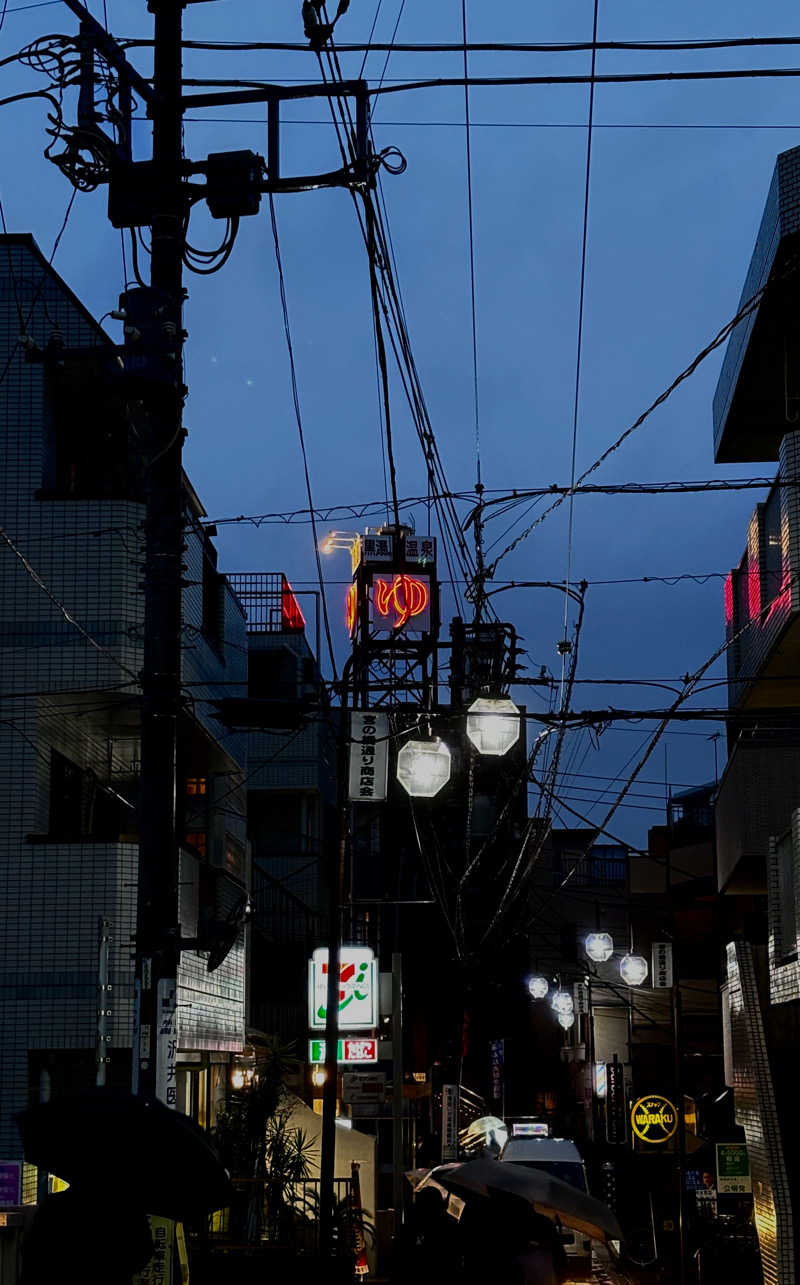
299	418
620	78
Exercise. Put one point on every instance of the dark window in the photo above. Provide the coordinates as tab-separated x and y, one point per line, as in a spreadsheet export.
272	675
213	601
81	807
89	446
786	936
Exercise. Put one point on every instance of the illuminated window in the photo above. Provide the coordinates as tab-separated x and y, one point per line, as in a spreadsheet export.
196	785
198	840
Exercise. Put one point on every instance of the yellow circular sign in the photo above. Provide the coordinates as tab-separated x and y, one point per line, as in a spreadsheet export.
654	1119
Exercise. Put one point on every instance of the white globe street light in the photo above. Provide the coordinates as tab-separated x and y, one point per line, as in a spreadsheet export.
423	767
538	987
633	969
563	1002
566	1020
493	725
599	947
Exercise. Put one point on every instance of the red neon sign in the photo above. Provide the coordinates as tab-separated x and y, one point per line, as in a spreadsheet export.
405	596
350	610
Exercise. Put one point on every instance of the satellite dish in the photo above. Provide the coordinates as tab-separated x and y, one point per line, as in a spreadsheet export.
225	932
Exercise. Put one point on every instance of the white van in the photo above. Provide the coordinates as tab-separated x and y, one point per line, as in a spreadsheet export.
561	1159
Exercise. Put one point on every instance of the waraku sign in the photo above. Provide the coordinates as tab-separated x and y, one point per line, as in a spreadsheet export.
654	1119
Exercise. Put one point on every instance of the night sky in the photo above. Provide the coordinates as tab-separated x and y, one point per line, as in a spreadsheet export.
679	176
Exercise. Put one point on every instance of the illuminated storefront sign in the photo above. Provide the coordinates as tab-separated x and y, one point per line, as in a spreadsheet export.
347	1051
401	602
358	989
654	1119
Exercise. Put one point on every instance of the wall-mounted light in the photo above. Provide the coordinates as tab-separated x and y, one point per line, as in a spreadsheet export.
318	1076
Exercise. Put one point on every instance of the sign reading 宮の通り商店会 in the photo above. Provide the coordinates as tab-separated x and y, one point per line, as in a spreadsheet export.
369	757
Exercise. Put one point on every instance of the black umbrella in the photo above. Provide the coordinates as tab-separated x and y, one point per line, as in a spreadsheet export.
154	1157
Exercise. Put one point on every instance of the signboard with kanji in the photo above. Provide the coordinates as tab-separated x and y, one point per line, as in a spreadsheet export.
496	1067
347	1051
421	549
449	1122
733	1169
358	989
661	964
10	1182
616	1131
364	1088
369	757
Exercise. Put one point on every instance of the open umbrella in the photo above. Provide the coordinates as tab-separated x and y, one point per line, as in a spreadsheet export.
547	1195
156	1158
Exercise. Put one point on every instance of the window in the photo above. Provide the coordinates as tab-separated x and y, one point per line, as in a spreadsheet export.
773	548
81	807
89	451
197	839
196	785
213	603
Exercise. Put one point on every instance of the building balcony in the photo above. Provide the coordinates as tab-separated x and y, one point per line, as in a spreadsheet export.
759	790
758	392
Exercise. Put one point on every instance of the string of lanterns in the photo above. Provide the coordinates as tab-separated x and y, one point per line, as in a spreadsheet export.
599	948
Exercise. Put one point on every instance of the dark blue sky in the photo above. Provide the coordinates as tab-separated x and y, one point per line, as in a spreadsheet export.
673	216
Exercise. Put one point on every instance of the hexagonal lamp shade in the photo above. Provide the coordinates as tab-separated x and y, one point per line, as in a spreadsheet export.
423	767
563	1002
633	969
599	947
538	987
566	1020
493	725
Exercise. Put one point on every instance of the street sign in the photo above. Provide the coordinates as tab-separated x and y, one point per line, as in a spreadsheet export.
10	1182
654	1119
733	1169
347	1051
531	1129
496	1062
449	1122
369	757
364	1088
616	1131
580	998
661	964
358	989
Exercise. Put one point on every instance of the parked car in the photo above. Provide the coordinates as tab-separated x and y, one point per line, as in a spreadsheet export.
562	1159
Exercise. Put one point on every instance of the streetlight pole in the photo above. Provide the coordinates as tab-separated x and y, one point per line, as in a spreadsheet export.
678	1048
157	946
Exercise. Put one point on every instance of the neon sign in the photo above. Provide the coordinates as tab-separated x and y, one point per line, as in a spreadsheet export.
351	610
402	598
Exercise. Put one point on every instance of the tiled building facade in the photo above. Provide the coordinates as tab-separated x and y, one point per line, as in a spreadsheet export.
755	409
71	633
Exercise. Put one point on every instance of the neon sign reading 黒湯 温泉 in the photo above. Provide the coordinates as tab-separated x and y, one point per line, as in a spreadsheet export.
401	598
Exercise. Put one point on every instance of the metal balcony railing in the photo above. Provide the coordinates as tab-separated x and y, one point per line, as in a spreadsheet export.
268	601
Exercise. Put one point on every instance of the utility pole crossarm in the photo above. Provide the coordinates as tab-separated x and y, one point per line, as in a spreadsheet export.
111	51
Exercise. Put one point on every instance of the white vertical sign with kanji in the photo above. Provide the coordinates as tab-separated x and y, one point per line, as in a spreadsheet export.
167	1042
661	960
369	757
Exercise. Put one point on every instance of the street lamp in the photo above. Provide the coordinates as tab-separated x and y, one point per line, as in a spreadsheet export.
538	987
566	1020
599	947
563	1002
423	767
493	725
633	969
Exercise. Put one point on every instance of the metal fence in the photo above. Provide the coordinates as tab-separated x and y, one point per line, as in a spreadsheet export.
262	1214
268	601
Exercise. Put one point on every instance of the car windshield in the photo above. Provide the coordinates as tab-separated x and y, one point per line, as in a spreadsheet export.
564	1170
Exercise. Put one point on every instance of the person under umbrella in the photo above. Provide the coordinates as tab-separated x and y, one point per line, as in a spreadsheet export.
86	1234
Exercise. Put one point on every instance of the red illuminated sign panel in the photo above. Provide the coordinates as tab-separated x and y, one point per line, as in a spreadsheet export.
401	602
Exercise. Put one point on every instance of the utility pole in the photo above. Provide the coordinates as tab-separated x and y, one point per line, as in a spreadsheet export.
157	944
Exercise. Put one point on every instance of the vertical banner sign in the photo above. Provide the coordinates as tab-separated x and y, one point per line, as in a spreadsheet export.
497	1049
369	757
159	1269
661	960
580	998
167	1043
449	1122
616	1130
